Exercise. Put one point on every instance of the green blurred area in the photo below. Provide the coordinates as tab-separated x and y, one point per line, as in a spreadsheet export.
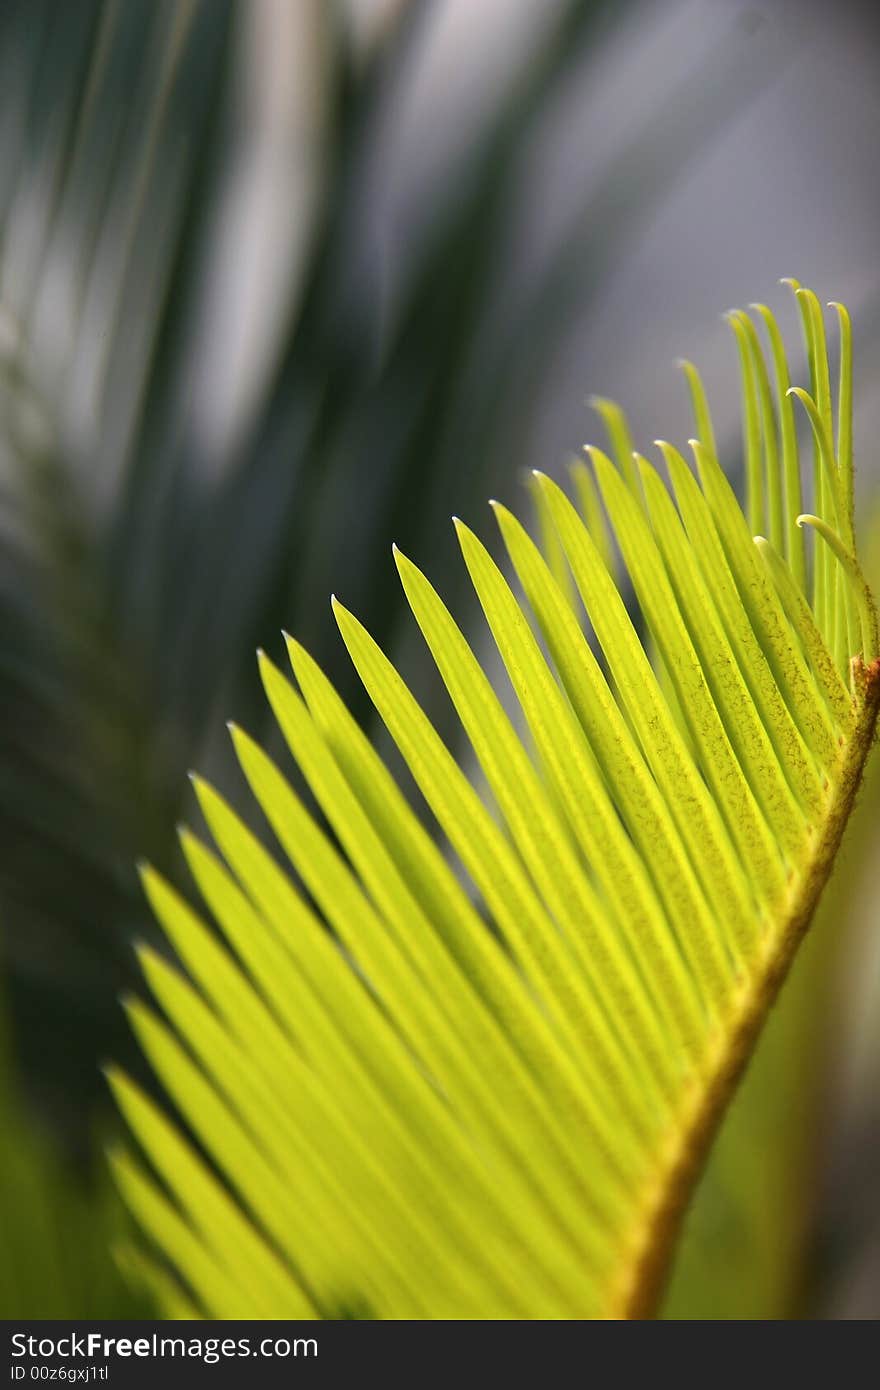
59	1232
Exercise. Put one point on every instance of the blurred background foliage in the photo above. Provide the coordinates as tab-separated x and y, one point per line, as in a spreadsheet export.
64	1234
283	282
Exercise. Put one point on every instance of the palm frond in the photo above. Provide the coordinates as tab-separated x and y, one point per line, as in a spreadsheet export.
484	1088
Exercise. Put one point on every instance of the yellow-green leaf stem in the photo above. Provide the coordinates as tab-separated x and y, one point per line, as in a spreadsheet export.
866	641
755	504
700	406
768	425
619	435
465	1059
794	551
844	417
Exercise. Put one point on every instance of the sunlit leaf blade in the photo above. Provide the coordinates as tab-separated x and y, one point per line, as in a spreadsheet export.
483	1085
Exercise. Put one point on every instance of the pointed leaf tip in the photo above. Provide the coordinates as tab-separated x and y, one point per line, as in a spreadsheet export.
294	648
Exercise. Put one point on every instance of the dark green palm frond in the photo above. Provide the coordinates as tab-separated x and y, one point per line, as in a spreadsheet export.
484	1088
99	94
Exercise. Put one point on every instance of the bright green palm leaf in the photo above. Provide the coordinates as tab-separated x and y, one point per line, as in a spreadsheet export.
482	1084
